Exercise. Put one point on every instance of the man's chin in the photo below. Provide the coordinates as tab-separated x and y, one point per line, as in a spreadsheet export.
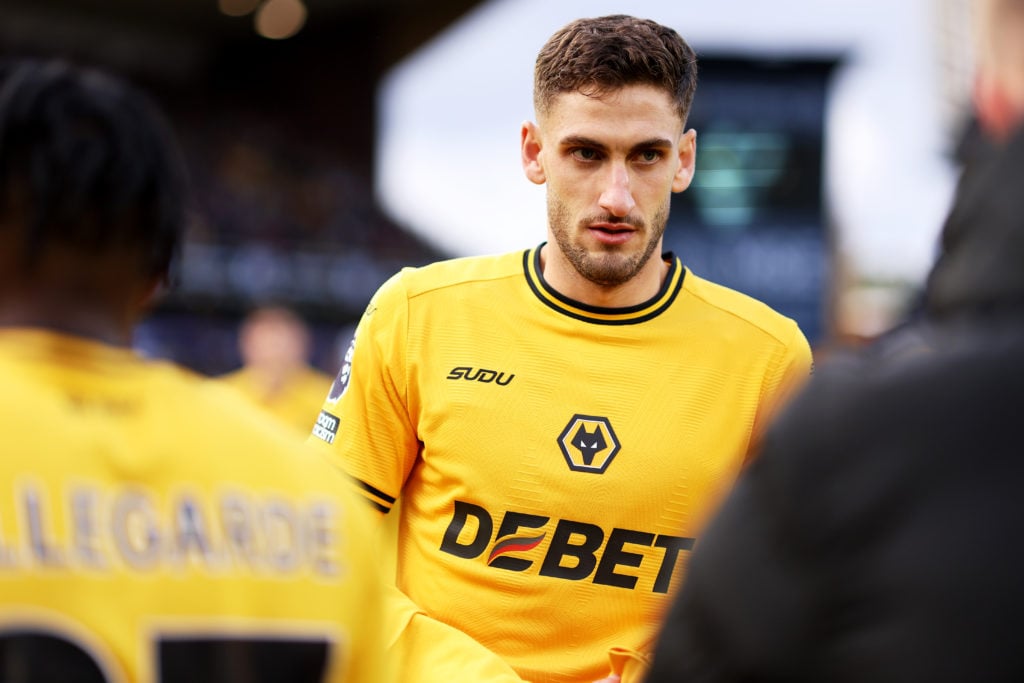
606	271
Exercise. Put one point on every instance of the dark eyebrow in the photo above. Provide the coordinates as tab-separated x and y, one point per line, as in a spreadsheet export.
653	143
583	141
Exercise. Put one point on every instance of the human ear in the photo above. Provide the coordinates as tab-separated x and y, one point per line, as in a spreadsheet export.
530	147
687	161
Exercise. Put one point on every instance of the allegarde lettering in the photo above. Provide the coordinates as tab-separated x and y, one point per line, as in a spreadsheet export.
98	528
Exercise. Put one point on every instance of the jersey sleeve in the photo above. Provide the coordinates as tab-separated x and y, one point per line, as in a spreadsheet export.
787	376
371	662
364	427
630	666
426	650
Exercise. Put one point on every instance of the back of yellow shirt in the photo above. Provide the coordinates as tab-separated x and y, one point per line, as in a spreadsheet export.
153	527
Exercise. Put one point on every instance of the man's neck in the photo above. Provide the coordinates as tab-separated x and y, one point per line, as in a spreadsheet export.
69	315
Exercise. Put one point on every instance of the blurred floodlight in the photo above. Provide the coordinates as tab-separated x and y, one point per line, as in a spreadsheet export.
237	8
279	19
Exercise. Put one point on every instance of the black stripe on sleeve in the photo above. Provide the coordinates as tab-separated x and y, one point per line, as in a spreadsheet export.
375	496
375	491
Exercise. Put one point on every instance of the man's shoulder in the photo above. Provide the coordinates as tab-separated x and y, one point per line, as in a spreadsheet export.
460	271
146	401
217	429
740	307
23	394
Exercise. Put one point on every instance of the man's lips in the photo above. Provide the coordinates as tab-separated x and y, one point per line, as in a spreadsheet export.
611	233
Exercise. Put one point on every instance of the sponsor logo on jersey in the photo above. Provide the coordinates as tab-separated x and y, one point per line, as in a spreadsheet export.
483	375
341	381
588	443
326	427
576	551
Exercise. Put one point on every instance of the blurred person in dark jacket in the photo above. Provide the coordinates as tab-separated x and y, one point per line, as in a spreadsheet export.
877	537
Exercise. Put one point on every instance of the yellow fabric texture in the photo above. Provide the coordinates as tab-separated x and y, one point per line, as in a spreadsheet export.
148	512
631	666
554	461
295	404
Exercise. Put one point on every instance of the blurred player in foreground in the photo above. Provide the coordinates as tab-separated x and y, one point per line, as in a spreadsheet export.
153	525
877	537
557	422
274	343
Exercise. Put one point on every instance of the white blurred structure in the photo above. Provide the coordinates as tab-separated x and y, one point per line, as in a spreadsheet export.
448	156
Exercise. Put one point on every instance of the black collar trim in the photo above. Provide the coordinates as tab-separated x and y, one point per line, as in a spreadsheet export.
630	315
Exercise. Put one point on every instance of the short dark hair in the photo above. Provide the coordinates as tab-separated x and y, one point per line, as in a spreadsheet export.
87	161
597	56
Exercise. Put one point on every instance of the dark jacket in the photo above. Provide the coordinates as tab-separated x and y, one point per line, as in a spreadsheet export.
880	535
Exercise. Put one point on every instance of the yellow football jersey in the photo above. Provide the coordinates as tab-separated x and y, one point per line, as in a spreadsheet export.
295	404
154	527
555	461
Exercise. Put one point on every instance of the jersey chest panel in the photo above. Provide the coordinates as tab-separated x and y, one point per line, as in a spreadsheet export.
637	432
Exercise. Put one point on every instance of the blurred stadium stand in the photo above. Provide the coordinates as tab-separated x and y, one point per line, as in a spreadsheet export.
278	136
754	218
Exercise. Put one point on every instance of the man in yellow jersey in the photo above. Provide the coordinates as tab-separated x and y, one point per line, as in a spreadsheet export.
559	422
877	538
153	525
276	375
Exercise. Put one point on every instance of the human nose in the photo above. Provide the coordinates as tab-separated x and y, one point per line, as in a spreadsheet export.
616	198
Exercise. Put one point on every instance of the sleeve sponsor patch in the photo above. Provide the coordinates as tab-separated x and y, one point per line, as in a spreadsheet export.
326	427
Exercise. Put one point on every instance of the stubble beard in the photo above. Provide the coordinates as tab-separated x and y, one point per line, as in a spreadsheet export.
610	267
